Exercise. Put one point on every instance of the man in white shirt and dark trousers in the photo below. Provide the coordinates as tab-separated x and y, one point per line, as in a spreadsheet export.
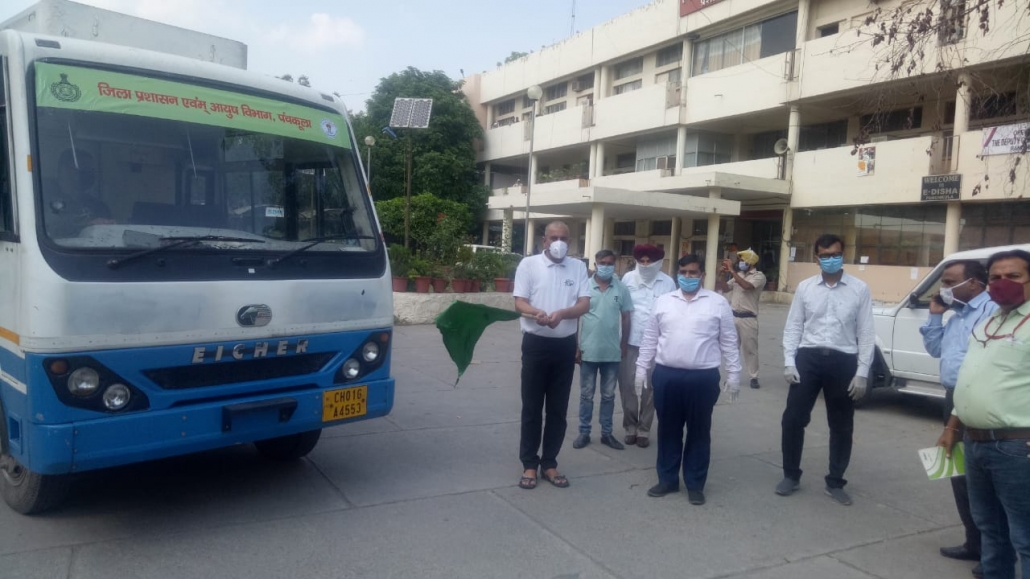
645	283
554	291
828	345
689	333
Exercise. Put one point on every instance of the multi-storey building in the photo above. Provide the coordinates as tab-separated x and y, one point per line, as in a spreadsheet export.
695	123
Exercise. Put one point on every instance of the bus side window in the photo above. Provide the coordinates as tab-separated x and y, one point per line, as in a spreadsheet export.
6	190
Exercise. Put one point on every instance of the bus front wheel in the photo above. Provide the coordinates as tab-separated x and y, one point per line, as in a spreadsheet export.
25	491
290	447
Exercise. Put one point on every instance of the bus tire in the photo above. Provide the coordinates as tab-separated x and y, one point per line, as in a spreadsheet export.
292	447
25	491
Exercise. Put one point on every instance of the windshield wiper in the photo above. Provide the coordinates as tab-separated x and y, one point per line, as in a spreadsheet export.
315	241
176	242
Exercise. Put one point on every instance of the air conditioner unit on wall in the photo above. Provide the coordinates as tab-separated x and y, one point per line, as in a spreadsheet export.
663	162
577	86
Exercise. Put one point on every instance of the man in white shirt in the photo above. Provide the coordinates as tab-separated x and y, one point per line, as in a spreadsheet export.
828	345
553	291
645	284
690	332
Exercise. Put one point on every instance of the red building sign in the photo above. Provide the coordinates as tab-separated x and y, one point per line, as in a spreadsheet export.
691	6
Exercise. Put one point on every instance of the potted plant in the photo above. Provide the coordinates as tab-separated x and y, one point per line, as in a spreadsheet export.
463	270
420	272
491	268
771	278
400	266
509	264
439	278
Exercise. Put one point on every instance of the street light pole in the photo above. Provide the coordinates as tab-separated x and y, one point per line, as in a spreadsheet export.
370	142
534	93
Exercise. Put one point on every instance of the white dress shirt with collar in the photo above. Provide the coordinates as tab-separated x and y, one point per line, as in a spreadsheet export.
838	317
551	287
644	296
692	334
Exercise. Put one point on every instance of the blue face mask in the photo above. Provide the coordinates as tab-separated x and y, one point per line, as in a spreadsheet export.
831	265
605	271
689	284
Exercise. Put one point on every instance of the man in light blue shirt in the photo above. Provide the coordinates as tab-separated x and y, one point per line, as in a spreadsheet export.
963	285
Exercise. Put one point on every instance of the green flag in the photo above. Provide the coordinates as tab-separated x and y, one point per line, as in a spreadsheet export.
461	325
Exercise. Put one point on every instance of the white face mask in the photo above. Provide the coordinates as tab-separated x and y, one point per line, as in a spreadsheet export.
558	249
743	266
948	293
649	272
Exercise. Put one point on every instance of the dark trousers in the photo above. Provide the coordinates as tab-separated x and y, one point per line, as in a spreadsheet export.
547	368
830	372
684	398
959	489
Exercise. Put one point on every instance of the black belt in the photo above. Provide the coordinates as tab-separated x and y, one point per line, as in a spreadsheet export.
980	435
737	314
826	352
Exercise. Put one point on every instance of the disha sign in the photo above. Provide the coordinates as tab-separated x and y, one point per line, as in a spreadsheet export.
691	6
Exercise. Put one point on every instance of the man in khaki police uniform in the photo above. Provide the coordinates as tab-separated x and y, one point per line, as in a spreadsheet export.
745	288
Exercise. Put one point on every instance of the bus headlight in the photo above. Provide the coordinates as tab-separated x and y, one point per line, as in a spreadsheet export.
370	352
117	396
84	382
351	369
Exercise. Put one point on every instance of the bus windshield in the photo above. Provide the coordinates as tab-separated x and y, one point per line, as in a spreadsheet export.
130	161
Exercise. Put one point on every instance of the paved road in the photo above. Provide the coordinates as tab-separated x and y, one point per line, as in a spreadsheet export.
430	492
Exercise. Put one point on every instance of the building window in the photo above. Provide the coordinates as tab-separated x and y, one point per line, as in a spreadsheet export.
674	76
902	235
624	246
627	87
505	108
582	83
555	108
624	163
629	68
823	136
669	55
556	91
527	102
708	149
767	38
625	228
952	21
828	30
892	121
991	224
661	227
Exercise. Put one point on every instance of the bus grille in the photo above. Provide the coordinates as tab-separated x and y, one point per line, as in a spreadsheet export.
202	375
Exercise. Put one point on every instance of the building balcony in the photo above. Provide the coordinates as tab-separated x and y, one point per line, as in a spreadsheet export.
746	88
644	109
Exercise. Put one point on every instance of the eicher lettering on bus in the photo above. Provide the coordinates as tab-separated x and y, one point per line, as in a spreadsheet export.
202	354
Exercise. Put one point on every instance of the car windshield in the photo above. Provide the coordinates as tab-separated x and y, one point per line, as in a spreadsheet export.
128	161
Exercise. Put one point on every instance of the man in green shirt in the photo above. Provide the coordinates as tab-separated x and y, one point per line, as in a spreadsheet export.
603	342
992	400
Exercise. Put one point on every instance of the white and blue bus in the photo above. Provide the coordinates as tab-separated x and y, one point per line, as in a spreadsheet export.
189	259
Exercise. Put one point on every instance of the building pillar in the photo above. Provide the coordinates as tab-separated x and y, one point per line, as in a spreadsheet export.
486	233
531	238
672	252
487	175
596	233
573	236
802	29
599	159
586	236
793	137
681	149
952	227
601	83
712	243
687	63
592	162
953	218
609	235
489	117
507	229
788	230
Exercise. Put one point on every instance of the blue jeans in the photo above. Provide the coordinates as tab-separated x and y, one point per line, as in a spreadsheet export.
998	477
587	382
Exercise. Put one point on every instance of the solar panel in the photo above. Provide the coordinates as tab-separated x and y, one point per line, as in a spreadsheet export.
411	113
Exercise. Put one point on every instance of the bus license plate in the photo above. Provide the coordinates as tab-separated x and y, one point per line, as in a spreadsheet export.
344	403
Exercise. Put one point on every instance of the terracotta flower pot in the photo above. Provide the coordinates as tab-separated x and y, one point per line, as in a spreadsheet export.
502	284
476	286
422	284
400	284
439	285
460	285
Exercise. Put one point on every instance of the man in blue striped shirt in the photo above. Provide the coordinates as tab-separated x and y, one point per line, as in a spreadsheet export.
963	289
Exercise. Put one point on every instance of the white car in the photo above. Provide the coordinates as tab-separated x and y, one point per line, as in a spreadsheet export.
900	360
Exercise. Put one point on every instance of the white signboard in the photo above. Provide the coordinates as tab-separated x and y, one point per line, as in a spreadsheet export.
1005	140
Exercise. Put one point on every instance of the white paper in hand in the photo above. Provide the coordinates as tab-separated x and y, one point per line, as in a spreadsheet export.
938	466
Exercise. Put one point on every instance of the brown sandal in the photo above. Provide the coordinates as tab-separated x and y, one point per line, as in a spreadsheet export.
527	482
557	480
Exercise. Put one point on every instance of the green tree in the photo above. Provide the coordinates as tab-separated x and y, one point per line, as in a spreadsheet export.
515	55
444	155
438	226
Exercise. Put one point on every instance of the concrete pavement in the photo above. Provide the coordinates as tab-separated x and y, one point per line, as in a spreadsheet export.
430	492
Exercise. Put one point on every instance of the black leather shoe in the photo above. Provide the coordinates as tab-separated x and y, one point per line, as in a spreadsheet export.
581	441
660	490
611	442
754	383
696	497
961	553
978	571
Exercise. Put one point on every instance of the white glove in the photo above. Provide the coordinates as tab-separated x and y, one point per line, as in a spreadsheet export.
857	388
791	374
639	382
733	388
